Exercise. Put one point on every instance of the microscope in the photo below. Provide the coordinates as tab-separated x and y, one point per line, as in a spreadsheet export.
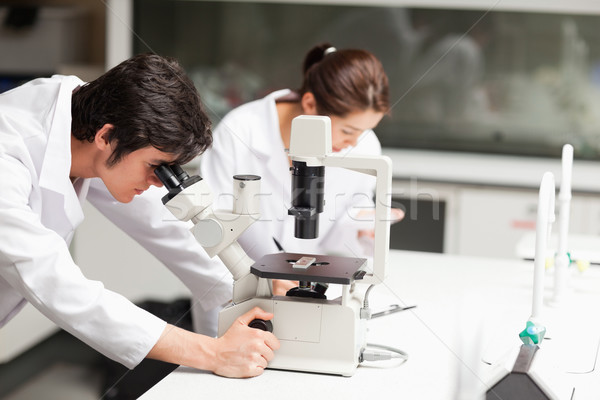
316	334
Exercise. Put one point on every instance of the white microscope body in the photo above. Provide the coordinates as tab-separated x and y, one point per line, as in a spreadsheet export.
316	334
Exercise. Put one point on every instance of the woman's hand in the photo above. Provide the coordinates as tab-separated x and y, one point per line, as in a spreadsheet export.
396	215
281	287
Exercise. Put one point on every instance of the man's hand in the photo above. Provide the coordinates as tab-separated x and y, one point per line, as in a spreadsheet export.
243	351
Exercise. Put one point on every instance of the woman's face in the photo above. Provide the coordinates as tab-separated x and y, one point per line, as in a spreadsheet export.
345	131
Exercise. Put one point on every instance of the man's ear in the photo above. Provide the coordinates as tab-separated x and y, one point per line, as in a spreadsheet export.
102	135
309	104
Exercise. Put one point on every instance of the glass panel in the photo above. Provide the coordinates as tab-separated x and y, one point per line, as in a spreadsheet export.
461	80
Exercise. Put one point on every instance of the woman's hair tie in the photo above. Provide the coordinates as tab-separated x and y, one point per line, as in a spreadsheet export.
329	50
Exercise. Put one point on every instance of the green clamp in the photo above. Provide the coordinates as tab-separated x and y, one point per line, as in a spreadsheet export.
532	334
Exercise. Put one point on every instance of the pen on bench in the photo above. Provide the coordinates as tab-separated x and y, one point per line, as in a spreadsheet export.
278	245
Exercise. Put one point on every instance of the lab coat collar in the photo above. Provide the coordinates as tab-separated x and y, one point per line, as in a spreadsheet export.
56	167
265	144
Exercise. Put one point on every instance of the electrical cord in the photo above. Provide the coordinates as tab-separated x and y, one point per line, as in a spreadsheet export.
366	313
388	352
366	300
378	355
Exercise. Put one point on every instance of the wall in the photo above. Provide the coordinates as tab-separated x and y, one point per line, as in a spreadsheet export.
96	30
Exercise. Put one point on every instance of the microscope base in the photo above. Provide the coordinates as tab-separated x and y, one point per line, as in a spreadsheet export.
321	336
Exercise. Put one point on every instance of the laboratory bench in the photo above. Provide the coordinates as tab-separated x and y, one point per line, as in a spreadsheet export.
468	309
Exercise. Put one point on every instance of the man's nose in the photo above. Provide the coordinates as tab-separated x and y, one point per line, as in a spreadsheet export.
153	180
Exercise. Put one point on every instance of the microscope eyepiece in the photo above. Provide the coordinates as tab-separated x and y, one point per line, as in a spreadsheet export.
175	179
308	189
167	177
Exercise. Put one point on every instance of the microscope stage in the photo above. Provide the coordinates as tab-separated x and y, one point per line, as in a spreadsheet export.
326	269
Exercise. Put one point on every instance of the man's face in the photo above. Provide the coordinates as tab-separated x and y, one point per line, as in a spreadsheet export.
134	173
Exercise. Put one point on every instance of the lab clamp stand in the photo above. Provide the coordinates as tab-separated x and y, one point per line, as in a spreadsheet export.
316	334
530	373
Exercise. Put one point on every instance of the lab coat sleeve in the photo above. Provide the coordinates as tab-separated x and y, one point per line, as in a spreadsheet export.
257	240
36	262
150	223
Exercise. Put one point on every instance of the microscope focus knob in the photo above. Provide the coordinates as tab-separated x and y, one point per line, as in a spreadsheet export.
261	324
208	232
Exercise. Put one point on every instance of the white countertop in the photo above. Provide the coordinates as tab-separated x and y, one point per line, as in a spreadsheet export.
467	309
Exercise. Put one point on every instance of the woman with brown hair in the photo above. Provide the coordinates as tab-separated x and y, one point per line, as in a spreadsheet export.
351	87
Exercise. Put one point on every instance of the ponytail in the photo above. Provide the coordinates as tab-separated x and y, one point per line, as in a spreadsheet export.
344	81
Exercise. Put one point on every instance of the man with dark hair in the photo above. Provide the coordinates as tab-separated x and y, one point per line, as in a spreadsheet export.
63	142
148	101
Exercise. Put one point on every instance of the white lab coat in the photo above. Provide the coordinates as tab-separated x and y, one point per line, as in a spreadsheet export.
39	210
248	141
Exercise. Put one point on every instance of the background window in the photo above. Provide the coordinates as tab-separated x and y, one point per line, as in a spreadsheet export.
461	80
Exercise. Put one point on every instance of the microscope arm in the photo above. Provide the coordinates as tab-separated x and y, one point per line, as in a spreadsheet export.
230	252
310	143
381	168
217	231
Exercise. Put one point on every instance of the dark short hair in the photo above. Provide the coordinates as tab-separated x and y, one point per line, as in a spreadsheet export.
344	81
150	101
